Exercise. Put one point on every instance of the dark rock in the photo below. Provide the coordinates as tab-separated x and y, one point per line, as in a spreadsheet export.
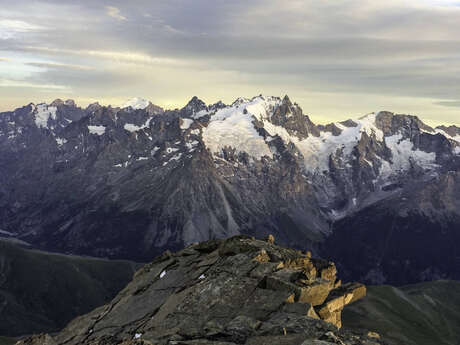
166	304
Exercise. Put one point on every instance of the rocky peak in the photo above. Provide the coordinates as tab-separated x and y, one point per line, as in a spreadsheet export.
235	291
407	125
452	131
287	101
194	106
93	107
153	109
57	102
291	117
70	103
136	103
216	106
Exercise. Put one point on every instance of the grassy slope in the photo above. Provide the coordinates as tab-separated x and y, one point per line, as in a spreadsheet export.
7	341
42	292
420	314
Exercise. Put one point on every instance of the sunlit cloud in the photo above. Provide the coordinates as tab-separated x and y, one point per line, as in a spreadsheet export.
114	12
455	104
59	65
9	28
335	58
26	84
116	56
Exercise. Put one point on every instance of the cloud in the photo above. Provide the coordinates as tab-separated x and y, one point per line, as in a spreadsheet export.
56	65
357	54
26	84
10	28
116	56
114	12
449	103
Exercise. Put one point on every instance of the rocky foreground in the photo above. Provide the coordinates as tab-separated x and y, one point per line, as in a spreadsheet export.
224	292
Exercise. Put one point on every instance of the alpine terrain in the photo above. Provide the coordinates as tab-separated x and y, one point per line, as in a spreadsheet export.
378	194
224	292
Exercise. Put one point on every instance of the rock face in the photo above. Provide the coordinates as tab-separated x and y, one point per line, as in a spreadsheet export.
134	181
234	291
408	238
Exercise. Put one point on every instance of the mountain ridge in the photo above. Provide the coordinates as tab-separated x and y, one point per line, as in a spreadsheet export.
130	183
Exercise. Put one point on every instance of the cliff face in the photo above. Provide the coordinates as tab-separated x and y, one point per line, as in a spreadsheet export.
408	238
234	291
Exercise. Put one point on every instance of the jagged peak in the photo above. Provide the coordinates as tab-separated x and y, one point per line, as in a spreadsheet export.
57	102
218	105
240	100
452	130
93	107
70	103
195	105
286	100
390	122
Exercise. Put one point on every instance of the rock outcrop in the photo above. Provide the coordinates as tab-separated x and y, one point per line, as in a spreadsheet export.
234	291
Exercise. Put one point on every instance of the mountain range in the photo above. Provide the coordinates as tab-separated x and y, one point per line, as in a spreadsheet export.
378	194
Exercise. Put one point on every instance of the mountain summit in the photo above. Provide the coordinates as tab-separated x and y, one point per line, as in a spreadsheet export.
235	291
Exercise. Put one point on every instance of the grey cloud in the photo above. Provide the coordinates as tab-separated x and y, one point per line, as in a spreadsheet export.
455	104
352	46
54	65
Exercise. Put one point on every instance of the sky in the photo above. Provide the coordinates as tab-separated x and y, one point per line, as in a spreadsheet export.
336	58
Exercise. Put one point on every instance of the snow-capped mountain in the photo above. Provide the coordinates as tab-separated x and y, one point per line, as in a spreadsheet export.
135	180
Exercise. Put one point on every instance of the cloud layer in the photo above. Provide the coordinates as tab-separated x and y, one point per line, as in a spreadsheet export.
336	58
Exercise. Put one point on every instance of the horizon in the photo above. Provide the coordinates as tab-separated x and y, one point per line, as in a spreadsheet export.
315	119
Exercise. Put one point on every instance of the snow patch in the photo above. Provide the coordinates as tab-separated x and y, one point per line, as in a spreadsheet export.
98	130
61	141
457	150
175	157
154	150
403	155
43	114
171	150
186	123
142	158
136	103
131	127
200	114
233	127
191	145
440	131
162	274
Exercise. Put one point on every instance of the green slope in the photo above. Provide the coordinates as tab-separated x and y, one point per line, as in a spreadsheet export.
7	341
420	314
42	292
